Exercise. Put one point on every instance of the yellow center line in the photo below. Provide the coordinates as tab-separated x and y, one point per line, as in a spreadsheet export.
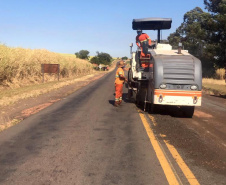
159	153
185	169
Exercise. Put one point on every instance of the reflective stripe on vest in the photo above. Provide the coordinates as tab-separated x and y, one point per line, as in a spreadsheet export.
144	40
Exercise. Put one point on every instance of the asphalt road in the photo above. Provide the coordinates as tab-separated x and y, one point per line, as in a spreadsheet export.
84	139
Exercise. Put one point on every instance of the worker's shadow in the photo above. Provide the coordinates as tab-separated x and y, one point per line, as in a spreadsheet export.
111	102
124	99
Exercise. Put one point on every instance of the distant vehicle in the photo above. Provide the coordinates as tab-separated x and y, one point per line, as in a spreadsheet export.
164	76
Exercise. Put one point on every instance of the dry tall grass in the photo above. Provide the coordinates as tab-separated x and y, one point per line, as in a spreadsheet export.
220	74
212	81
214	86
19	67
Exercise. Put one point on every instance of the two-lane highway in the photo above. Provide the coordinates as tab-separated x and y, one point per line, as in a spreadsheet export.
84	139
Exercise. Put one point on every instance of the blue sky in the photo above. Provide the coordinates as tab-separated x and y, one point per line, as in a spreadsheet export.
95	25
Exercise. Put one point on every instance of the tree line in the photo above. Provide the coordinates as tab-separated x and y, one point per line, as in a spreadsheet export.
100	58
203	34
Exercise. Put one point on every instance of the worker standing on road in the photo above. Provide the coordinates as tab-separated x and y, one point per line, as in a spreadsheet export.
142	41
119	81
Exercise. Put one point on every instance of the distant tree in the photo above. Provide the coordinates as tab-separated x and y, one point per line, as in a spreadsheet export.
95	60
82	54
102	58
105	58
125	58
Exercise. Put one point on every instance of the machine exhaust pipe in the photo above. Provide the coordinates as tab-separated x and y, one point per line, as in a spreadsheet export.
179	48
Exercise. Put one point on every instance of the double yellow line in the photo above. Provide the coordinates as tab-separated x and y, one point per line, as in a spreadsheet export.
170	174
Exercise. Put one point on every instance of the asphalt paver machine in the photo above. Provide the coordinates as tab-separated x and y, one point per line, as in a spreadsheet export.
164	76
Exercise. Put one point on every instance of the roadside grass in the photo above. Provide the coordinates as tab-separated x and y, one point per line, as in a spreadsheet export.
13	93
10	96
67	54
214	86
220	74
9	124
73	55
21	67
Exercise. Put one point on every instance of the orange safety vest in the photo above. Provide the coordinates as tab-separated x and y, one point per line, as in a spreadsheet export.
141	38
117	77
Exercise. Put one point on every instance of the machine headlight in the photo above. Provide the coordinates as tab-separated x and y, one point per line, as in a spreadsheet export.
194	87
162	86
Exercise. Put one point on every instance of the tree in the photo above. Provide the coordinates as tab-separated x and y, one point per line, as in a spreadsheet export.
105	58
217	27
214	6
124	58
82	54
95	60
175	38
194	34
204	34
102	58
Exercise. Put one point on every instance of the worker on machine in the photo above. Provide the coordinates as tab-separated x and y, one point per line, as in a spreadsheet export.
119	81
143	41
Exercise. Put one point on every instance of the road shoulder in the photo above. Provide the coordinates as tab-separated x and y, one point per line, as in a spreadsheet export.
12	114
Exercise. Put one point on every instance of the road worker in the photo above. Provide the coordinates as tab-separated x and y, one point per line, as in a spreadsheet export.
142	41
119	81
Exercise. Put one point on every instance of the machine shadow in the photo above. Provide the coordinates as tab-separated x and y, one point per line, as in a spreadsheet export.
172	111
125	98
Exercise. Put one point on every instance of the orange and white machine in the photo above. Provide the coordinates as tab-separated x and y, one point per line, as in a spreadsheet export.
177	78
169	77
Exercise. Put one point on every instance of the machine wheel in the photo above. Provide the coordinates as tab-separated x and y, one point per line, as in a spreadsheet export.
137	101
153	108
130	75
140	96
130	94
188	111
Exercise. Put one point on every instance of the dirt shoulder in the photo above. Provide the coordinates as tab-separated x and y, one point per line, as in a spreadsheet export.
14	113
219	91
214	87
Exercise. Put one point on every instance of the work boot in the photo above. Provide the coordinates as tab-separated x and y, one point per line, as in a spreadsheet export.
116	104
120	101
